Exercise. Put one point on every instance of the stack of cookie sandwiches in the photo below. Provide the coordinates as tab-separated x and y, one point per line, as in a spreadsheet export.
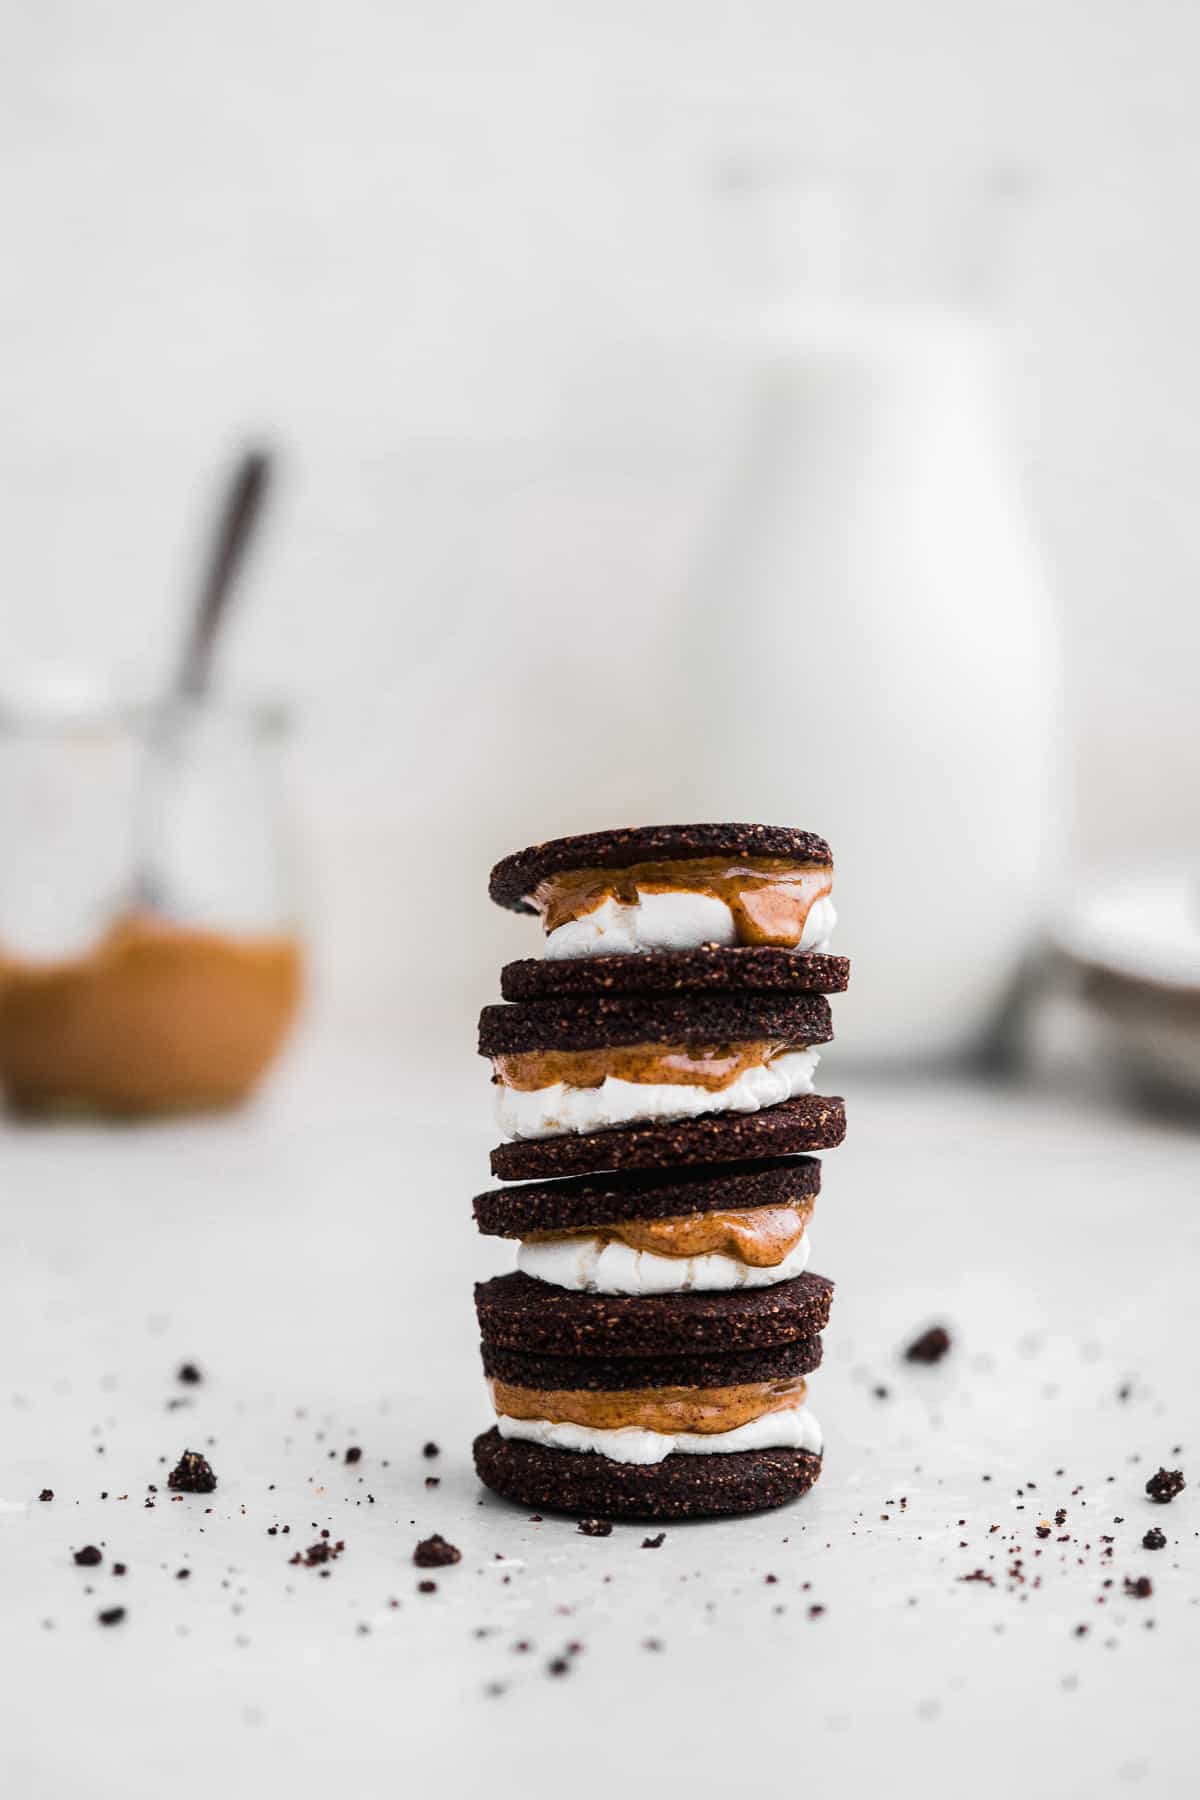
653	1072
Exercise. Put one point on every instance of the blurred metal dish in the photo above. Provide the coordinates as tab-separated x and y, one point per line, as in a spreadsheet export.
1133	947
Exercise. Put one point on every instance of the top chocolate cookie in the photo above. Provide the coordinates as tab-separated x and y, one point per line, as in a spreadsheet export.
515	879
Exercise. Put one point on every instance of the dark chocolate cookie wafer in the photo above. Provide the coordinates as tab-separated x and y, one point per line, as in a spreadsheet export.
710	969
515	878
809	1122
601	1021
595	1200
518	1313
680	1487
599	1374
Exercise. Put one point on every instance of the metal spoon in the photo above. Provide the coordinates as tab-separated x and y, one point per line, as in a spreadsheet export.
236	522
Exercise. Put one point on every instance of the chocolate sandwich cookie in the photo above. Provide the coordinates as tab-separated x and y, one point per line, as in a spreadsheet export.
709	969
680	1487
517	1313
673	887
624	1021
808	1122
595	1201
515	880
606	1403
578	1066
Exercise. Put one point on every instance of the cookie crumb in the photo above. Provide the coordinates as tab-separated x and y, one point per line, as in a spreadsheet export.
595	1527
1154	1539
430	1449
354	1454
654	1543
435	1553
89	1556
1140	1588
427	1587
46	1494
930	1347
189	1374
1165	1485
112	1615
192	1474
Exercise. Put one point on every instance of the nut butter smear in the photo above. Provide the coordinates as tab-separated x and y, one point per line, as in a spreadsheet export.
760	1236
157	1016
768	897
710	1066
707	1410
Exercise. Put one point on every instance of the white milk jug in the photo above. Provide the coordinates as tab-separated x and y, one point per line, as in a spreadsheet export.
869	653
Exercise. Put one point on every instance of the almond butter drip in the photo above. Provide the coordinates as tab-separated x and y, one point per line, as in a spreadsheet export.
769	898
761	1236
713	1066
155	1017
706	1410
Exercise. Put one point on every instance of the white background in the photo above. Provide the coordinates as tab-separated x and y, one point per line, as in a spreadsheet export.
402	242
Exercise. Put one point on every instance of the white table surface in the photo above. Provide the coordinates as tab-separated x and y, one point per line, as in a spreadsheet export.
315	1255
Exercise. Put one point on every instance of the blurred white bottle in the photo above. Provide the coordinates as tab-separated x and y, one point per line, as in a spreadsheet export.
870	650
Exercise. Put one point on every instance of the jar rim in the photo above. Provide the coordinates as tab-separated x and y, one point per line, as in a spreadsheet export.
45	712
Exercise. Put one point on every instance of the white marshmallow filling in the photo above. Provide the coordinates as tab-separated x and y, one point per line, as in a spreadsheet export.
789	1428
558	1109
678	920
591	1265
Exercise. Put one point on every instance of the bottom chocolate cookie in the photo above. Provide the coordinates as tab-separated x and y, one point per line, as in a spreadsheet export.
680	1487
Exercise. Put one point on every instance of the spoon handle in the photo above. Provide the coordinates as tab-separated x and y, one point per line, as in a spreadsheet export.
236	524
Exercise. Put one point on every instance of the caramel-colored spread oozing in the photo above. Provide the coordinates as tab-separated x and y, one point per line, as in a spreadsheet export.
769	898
156	1017
706	1410
761	1236
710	1066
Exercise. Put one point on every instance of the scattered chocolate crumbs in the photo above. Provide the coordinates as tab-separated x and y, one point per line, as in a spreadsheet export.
1154	1539
118	1568
189	1374
880	1392
89	1556
1165	1485
431	1449
112	1615
354	1454
435	1553
192	1474
183	1574
1043	1531
1140	1588
323	1551
596	1527
46	1494
432	1481
815	1611
427	1587
558	1666
979	1575
930	1347
654	1543
1060	1517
